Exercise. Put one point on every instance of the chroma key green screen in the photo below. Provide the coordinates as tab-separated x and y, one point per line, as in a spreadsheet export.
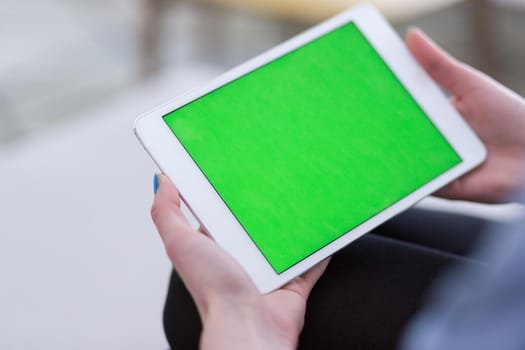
309	146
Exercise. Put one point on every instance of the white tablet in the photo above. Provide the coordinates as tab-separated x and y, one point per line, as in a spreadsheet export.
296	153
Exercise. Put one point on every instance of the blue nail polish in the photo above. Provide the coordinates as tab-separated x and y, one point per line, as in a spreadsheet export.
155	183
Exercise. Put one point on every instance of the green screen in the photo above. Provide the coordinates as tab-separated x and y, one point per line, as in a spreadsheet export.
311	145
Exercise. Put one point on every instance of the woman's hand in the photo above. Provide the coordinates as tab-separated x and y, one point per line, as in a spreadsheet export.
493	111
233	312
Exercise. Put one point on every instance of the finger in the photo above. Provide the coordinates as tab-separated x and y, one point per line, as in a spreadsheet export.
450	191
203	230
477	187
166	208
303	284
452	75
173	227
312	276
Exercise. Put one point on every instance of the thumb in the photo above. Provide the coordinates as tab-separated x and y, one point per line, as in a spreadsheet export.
453	75
175	231
205	268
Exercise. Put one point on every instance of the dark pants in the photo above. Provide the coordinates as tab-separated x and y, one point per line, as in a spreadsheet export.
370	289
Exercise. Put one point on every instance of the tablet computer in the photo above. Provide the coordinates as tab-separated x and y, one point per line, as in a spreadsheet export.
301	150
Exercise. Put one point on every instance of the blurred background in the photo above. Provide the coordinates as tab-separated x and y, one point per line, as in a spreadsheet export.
80	264
63	57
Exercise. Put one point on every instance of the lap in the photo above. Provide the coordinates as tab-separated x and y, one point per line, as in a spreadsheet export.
370	289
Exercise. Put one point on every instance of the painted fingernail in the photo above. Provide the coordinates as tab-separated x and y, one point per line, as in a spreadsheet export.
155	183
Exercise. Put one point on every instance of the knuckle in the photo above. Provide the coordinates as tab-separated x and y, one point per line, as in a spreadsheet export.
170	245
156	212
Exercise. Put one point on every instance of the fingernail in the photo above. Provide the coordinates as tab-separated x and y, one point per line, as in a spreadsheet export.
155	183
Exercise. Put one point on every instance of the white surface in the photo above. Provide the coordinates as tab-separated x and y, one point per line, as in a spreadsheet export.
81	265
222	224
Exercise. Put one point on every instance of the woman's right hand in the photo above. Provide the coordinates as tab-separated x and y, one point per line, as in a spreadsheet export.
495	113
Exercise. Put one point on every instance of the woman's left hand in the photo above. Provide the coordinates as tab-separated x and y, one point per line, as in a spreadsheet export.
233	312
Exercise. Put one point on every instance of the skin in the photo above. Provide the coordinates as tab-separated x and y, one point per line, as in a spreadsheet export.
233	312
236	316
496	114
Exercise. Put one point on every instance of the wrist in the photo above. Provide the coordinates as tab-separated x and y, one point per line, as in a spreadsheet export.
241	325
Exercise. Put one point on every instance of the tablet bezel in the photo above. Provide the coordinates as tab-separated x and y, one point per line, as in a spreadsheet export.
209	208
